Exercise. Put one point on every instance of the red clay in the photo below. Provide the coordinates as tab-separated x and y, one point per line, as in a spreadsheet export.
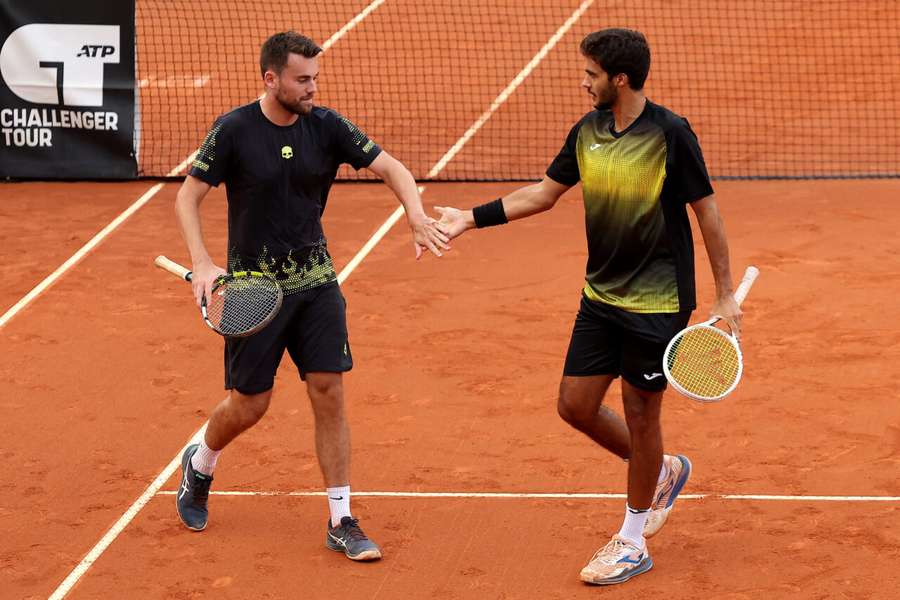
454	390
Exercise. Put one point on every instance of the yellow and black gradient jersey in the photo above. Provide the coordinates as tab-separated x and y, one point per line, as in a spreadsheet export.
636	185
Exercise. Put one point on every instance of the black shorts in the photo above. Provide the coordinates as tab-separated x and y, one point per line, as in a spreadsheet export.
311	325
610	341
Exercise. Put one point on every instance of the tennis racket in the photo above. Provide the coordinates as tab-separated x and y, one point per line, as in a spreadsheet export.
704	362
241	303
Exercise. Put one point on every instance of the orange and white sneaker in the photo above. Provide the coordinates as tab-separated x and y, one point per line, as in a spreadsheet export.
666	492
617	561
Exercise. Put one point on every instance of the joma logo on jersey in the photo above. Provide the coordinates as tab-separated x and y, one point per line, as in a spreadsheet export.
95	51
59	64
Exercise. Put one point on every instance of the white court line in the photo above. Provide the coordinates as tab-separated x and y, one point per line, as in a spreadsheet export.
448	156
328	44
563	496
123	522
373	241
140	202
811	498
90	245
75	258
154	488
81	568
107	539
505	94
120	525
174	81
351	24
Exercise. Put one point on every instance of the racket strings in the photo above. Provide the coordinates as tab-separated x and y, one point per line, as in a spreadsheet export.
243	304
704	362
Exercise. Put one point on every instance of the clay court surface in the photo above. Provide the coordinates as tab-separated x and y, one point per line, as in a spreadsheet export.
462	469
109	372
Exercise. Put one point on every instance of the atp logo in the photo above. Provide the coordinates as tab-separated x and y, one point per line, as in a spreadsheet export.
59	64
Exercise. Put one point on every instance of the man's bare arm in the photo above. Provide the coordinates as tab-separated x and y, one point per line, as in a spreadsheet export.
521	203
187	209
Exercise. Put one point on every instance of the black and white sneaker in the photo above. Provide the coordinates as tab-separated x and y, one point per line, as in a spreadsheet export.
193	493
350	539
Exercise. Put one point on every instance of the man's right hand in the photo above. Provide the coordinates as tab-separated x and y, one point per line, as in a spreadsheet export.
454	222
202	278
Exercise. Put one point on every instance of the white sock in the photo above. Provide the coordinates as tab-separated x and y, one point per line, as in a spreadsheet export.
663	471
633	526
204	459
338	503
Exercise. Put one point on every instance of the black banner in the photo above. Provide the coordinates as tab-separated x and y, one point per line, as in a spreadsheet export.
67	89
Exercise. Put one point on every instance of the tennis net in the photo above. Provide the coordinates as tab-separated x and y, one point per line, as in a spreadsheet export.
773	88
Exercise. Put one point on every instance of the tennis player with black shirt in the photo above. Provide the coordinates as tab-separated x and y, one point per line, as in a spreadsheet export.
640	165
278	158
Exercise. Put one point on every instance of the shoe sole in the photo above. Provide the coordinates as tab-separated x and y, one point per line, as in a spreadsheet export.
186	457
364	556
642	568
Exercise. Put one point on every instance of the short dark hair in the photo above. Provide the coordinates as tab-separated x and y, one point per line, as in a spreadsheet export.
276	49
619	51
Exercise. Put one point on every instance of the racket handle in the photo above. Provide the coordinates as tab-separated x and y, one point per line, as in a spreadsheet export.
172	267
750	276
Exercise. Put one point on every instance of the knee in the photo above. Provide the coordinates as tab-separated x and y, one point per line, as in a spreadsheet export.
572	410
326	389
249	408
641	424
642	416
326	395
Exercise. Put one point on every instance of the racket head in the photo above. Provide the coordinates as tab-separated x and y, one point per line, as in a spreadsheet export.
241	303
703	362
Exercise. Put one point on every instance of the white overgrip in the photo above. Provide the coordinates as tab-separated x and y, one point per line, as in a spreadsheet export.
743	289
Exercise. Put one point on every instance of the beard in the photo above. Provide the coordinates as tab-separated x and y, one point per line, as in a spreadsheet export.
607	98
293	105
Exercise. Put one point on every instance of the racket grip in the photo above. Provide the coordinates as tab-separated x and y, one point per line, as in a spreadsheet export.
172	267
750	276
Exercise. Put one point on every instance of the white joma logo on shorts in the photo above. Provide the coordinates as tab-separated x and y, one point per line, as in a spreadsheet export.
652	376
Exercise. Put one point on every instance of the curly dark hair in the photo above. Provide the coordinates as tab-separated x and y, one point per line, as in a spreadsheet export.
276	49
619	51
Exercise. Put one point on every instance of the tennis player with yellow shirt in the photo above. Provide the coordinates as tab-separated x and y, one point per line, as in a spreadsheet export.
278	158
640	165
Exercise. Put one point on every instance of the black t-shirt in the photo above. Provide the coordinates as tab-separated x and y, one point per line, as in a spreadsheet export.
277	181
636	184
